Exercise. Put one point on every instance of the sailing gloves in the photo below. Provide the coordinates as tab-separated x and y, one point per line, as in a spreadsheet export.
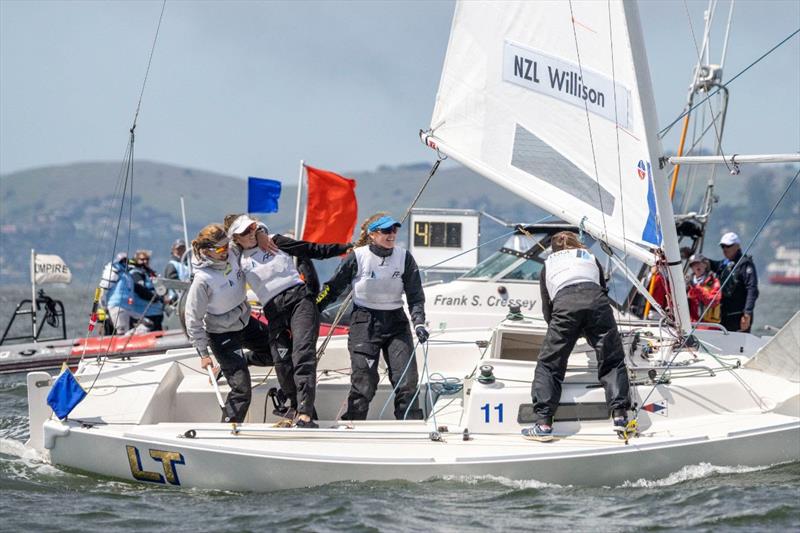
422	334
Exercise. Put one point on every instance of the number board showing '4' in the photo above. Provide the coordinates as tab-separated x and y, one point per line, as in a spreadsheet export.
444	239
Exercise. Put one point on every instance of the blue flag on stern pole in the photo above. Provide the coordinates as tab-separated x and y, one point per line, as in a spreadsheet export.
262	195
65	394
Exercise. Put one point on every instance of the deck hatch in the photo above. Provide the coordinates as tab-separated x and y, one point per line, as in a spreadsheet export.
567	412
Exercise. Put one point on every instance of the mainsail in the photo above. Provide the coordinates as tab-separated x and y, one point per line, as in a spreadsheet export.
552	100
553	112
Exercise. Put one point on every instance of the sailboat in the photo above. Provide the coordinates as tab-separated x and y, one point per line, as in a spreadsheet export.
551	100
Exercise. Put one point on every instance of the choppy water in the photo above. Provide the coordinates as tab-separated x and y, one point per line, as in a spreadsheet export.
35	496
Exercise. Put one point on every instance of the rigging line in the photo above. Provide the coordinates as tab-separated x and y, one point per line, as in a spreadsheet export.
588	123
149	61
424	185
725	282
616	132
748	67
717	133
591	136
503	236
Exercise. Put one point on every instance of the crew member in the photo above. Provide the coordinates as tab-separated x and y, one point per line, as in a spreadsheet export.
176	269
703	291
574	304
288	304
117	295
737	274
145	300
380	272
218	317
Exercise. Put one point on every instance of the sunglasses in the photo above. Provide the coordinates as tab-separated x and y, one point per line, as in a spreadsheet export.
218	249
723	246
143	259
388	231
250	229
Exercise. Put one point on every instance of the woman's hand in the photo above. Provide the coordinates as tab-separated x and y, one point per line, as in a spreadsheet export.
206	362
266	243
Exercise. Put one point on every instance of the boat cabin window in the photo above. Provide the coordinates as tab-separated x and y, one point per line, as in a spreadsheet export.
516	260
527	270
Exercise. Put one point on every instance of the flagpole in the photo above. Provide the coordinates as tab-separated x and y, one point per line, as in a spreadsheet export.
33	294
298	231
185	234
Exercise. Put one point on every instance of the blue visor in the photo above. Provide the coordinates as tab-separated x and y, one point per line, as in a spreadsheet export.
385	222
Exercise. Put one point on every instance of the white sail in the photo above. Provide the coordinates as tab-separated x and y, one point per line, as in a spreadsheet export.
553	111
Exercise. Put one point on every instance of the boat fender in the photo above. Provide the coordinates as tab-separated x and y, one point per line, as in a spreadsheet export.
52	430
487	376
465	436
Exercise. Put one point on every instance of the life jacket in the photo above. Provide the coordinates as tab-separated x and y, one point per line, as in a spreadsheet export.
269	274
120	293
140	304
709	288
378	284
570	267
226	285
181	269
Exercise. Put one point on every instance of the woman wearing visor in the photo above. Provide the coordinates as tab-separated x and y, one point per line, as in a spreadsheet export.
218	317
380	273
288	304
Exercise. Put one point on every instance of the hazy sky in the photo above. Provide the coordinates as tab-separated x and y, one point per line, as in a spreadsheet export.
250	88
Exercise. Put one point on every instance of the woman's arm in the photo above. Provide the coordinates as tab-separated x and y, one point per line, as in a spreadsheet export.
547	304
311	250
196	307
334	287
415	296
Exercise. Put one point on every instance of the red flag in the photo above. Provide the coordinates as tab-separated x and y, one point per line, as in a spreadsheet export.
332	208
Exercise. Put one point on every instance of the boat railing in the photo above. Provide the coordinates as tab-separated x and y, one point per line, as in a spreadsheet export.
53	315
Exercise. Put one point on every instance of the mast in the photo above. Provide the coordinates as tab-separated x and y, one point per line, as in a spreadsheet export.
669	243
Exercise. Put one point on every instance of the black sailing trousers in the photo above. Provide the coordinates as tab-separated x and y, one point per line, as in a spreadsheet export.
372	332
580	310
227	348
293	330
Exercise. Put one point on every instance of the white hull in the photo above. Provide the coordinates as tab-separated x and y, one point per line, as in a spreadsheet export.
133	425
274	464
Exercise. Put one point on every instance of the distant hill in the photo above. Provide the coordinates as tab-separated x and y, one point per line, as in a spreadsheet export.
71	210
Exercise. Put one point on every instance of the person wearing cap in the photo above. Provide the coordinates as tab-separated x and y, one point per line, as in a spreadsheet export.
288	304
703	291
218	318
380	272
739	281
575	304
176	268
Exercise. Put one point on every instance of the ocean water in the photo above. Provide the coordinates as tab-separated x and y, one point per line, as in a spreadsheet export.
35	496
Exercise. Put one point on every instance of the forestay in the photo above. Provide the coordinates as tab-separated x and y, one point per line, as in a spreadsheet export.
555	112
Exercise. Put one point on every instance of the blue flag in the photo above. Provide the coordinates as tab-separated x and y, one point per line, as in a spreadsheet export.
65	394
262	195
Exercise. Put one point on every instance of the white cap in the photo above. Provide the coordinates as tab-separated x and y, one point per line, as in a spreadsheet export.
240	225
729	239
